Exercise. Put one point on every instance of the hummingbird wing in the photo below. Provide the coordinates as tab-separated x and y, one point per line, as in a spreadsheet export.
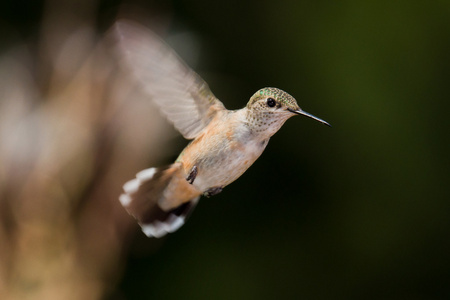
176	89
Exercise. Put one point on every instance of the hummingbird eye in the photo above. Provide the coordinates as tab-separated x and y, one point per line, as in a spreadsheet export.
271	102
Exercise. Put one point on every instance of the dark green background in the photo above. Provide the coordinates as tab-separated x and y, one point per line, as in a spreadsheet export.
357	211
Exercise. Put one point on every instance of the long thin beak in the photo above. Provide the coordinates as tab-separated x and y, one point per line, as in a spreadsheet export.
304	113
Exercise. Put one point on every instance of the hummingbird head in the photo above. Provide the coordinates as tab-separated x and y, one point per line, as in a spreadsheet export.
270	107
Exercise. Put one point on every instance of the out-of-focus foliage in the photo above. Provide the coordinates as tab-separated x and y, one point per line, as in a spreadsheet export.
72	130
357	211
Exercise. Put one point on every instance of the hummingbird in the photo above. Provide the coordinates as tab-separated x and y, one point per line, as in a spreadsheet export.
225	143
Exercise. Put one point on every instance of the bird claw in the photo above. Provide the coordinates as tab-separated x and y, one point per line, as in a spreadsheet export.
192	175
213	191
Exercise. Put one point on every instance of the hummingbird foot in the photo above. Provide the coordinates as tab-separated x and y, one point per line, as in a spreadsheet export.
192	175
213	191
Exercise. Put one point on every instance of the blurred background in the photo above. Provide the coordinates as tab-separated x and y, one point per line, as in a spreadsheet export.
357	211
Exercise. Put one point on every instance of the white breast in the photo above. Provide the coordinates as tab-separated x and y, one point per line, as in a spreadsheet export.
228	165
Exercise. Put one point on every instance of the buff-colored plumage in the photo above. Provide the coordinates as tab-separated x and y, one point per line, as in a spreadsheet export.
225	143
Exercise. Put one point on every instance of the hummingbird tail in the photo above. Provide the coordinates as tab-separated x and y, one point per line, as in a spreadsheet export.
160	199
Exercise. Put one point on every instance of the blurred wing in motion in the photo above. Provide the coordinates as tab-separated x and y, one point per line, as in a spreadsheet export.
179	92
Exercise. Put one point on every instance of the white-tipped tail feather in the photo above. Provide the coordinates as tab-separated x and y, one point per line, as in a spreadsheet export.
146	174
125	200
132	186
152	190
159	229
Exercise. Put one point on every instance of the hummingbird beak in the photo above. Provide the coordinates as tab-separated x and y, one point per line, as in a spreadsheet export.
304	113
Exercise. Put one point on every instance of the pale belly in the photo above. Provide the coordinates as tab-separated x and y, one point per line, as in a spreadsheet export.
222	163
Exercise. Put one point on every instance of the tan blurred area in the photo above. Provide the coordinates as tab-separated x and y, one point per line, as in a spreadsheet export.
73	129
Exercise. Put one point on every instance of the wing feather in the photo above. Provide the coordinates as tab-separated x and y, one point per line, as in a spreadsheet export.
182	96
